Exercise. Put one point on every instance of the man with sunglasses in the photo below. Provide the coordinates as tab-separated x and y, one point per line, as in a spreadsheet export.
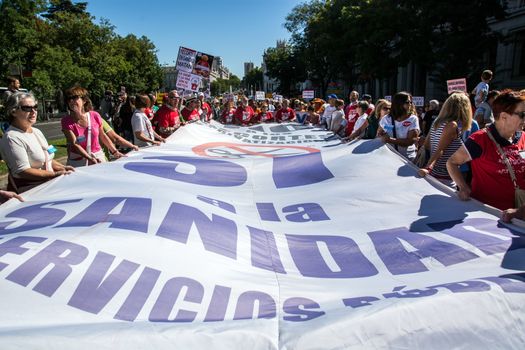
167	119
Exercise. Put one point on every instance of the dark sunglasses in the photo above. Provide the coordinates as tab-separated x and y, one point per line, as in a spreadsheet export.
29	108
385	108
520	114
73	97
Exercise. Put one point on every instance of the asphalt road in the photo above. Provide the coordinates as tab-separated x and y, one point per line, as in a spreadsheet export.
51	129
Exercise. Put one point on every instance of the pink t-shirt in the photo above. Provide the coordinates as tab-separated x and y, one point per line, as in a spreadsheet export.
81	133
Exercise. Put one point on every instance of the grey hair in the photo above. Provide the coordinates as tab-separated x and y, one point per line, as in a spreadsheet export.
434	104
13	103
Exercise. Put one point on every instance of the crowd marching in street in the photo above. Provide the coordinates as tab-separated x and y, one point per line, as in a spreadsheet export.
472	143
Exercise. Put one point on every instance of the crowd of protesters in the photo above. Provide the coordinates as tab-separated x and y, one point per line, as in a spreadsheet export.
473	144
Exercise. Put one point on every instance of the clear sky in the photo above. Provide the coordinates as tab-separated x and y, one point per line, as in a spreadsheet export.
238	31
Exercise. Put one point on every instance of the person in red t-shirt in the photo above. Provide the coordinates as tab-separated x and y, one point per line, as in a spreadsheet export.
190	112
205	106
244	113
285	114
491	179
264	115
227	112
351	112
167	118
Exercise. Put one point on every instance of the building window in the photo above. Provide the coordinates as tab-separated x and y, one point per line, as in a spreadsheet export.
519	55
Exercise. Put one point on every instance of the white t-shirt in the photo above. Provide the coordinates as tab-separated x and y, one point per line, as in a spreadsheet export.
402	129
140	122
360	121
23	150
328	110
481	91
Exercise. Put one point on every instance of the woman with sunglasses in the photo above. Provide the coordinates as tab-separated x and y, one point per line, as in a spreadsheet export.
496	154
400	127
381	109
24	148
83	130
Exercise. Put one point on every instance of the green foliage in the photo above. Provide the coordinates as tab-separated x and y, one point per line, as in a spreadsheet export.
60	43
220	86
254	79
284	64
355	40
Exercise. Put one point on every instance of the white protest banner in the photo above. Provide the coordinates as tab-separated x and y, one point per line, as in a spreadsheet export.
308	94
259	95
185	59
457	85
278	98
419	101
262	237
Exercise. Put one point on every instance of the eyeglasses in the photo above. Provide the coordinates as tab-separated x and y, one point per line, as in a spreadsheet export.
520	114
73	97
173	97
29	108
385	108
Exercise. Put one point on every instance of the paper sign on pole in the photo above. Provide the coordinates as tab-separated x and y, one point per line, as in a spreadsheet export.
308	94
419	101
185	59
259	95
457	85
203	63
188	81
388	98
278	98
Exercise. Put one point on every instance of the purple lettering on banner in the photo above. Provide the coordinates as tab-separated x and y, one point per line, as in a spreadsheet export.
267	212
305	212
300	170
218	304
218	203
508	283
464	286
95	290
264	250
231	174
302	309
359	301
36	215
169	295
14	246
246	304
59	253
487	244
134	215
219	235
399	261
345	252
138	296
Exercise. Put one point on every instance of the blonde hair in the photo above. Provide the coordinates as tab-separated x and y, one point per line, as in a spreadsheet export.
379	106
456	108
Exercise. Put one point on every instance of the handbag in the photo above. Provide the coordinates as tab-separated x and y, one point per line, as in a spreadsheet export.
519	194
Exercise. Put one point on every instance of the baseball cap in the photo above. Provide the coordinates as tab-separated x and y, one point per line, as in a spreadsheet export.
200	94
367	97
332	96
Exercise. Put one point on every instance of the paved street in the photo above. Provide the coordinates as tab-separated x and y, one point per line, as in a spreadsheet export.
51	129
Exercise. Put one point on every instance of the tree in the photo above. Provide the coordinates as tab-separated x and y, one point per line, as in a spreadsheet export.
253	80
283	64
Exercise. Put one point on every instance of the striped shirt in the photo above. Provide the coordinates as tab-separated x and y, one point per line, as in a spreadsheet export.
440	166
